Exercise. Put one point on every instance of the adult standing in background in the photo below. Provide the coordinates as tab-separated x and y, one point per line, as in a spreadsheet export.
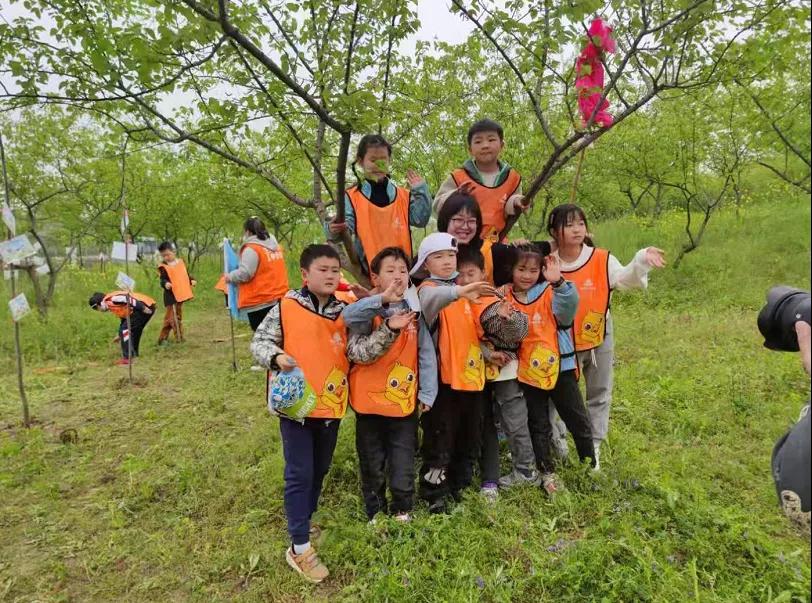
261	277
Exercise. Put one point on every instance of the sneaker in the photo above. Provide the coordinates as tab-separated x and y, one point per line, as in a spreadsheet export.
403	517
123	362
517	478
489	491
307	564
551	484
597	466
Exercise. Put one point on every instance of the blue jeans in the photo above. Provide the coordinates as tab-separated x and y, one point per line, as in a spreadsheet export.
308	450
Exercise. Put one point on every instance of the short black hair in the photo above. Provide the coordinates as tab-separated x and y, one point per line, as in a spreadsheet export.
313	252
388	252
485	125
454	204
166	246
256	227
467	254
96	299
369	141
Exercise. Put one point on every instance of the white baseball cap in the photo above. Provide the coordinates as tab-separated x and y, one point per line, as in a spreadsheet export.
437	241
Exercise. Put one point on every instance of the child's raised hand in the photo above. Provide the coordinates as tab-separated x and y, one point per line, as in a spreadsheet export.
393	293
655	257
285	362
400	320
414	179
551	269
359	290
474	291
336	227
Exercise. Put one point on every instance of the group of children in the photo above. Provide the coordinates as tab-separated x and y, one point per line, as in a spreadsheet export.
438	346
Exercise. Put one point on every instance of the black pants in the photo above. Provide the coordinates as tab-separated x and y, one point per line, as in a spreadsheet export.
451	442
489	454
138	320
566	396
255	318
386	447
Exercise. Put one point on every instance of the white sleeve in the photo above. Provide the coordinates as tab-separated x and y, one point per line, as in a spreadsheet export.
632	276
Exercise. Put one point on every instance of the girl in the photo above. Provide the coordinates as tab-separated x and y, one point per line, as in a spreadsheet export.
378	213
547	368
262	276
595	273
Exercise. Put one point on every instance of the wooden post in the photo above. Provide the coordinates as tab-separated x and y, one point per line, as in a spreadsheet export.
17	349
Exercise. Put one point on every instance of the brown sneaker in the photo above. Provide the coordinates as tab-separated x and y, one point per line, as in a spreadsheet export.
307	564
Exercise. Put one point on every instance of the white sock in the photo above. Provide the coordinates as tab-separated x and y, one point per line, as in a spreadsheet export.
298	549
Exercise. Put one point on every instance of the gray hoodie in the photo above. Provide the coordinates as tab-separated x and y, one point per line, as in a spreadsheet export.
249	262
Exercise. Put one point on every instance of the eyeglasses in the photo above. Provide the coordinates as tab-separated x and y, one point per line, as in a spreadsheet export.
460	222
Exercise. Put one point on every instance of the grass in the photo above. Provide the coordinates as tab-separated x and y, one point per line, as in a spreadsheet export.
173	491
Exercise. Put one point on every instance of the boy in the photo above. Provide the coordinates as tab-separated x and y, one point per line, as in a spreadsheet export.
504	328
495	185
177	285
385	391
302	342
378	213
451	425
140	309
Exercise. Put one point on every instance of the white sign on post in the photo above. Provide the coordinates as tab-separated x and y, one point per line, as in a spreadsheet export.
8	220
19	307
124	281
122	254
16	249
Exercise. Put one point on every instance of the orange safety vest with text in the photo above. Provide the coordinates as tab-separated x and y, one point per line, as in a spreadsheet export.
539	356
319	346
461	363
388	386
121	310
381	227
491	200
270	281
179	278
592	281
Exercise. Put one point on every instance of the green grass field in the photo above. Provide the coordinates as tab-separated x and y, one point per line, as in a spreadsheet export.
173	491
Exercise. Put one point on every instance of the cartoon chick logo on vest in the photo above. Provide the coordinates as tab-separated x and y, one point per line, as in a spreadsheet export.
400	386
334	394
474	371
543	367
592	327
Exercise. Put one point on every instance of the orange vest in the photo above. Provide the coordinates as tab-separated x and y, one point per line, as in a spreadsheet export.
319	346
381	227
478	307
539	358
487	253
461	363
121	310
270	281
592	281
179	278
491	199
388	386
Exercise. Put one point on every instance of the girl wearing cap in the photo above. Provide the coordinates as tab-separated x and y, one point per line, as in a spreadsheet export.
261	276
451	425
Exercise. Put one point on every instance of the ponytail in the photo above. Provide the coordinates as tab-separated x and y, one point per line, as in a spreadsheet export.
257	228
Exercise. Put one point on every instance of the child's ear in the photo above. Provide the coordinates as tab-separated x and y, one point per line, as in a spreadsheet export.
303	272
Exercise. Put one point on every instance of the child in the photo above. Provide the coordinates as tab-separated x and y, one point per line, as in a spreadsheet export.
177	285
302	342
494	184
140	309
385	391
596	273
504	328
378	213
451	425
547	367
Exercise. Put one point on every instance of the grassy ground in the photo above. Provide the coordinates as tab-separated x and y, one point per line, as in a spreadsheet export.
174	488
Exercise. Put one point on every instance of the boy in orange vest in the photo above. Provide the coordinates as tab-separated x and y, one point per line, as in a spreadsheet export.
378	213
303	344
393	356
177	285
451	425
495	185
141	308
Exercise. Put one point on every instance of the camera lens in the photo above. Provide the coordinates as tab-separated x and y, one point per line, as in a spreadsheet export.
776	321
